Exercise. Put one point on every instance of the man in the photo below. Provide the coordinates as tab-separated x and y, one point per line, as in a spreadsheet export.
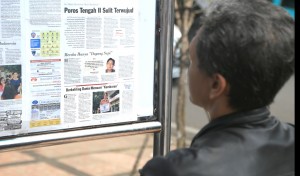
104	103
240	58
16	82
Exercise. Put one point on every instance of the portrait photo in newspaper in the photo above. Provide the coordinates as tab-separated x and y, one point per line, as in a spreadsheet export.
110	63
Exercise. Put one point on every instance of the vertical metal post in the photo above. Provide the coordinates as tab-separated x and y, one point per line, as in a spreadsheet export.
162	139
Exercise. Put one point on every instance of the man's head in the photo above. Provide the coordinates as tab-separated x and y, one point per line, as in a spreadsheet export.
105	96
15	75
244	52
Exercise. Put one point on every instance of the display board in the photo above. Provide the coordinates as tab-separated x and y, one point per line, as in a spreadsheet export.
68	64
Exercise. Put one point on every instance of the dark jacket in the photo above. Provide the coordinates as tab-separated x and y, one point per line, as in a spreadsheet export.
250	143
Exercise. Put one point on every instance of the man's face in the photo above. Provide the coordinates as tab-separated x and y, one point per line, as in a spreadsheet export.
15	75
198	80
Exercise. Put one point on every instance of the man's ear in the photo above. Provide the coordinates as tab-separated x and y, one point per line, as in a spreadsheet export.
219	86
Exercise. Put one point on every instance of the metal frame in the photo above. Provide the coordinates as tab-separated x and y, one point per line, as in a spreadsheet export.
162	139
42	140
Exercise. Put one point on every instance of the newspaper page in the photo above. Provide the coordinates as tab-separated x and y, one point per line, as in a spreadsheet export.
11	67
71	64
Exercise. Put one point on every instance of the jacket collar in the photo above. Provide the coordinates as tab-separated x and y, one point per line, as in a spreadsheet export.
234	119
